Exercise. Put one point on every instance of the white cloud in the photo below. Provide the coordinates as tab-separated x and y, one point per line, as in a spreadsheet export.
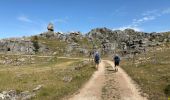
157	12
24	19
128	27
136	22
144	19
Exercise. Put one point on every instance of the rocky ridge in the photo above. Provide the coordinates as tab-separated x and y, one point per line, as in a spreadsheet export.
103	39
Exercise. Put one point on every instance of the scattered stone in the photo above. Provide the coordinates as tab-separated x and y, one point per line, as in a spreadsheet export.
37	88
67	79
22	59
26	95
13	95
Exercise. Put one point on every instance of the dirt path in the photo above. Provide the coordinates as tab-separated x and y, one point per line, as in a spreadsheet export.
92	90
123	86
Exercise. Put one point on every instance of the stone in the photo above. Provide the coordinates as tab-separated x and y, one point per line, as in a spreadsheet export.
2	96
22	59
50	27
37	88
28	97
67	79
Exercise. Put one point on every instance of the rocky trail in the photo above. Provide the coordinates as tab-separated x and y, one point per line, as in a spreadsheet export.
120	86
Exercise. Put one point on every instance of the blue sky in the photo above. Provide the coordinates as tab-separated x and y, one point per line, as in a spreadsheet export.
29	17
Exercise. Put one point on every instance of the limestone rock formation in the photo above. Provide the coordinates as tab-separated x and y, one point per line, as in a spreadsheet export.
50	27
103	39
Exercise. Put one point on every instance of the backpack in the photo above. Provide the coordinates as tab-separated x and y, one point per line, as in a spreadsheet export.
97	57
116	58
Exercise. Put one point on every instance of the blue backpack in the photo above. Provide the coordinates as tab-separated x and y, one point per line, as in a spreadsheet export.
97	57
116	58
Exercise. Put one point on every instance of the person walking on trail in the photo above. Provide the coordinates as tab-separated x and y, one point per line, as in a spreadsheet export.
97	59
116	61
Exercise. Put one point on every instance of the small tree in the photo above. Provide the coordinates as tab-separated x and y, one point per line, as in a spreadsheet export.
36	46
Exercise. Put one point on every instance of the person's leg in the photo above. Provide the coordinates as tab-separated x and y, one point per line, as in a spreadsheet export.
97	65
115	65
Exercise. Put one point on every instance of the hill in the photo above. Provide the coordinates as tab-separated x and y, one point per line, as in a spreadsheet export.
104	40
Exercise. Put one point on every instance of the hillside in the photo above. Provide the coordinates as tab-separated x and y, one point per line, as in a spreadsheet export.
80	44
54	65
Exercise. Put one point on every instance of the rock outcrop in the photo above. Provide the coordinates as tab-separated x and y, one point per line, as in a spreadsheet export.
103	39
17	45
50	27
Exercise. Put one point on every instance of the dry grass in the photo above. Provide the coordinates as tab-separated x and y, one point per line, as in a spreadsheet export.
152	72
45	72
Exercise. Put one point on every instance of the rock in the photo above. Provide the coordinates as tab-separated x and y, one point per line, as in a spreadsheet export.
17	45
26	95
2	96
67	79
50	27
83	51
13	95
54	53
8	95
22	59
37	88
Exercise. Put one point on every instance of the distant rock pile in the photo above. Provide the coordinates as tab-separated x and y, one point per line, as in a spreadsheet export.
128	41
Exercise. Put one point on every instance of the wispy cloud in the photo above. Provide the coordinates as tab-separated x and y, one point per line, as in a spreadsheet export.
128	27
157	12
137	22
150	12
24	19
145	17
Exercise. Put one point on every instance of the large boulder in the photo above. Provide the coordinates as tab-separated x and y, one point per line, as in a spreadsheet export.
50	27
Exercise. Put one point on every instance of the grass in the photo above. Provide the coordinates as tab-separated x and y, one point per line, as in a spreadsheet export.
60	47
49	73
151	72
54	45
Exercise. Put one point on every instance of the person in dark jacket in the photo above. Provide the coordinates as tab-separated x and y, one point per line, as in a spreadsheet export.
116	61
97	59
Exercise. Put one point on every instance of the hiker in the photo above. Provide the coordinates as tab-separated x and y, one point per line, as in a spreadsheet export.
97	59
116	60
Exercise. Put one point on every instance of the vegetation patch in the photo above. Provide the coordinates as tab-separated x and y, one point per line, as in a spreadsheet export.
58	76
